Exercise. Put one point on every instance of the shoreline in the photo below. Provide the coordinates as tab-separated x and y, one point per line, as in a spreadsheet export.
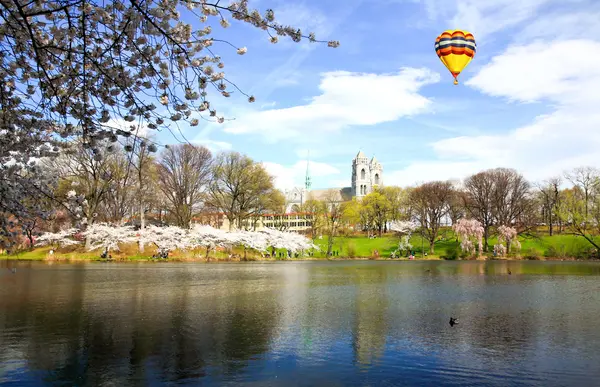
254	260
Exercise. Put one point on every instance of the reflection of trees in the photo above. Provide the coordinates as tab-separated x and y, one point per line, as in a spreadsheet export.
370	324
155	326
70	327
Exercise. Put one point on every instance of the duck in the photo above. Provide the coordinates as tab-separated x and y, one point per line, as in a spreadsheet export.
453	321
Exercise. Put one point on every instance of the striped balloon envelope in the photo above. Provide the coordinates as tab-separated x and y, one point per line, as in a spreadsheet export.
455	48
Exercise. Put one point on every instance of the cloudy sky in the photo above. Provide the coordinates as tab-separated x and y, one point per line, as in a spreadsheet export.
529	100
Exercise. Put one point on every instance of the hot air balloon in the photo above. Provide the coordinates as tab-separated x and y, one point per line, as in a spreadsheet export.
455	48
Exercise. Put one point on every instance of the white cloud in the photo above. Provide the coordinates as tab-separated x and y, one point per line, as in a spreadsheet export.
483	18
287	177
558	71
563	73
563	25
212	145
346	99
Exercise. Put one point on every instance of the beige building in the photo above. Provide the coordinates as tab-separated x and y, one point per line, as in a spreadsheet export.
366	176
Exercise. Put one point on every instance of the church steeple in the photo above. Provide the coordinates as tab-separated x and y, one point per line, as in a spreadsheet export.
307	182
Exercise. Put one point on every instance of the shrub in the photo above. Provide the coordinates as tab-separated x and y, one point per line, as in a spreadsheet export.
351	249
452	254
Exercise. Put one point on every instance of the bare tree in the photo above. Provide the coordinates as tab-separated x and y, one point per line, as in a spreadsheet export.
145	168
498	197
478	200
120	198
237	186
430	203
511	197
90	175
183	174
456	208
272	202
332	213
549	193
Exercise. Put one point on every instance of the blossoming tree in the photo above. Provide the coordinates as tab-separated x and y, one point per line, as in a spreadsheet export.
405	229
469	231
507	235
166	239
290	241
58	239
211	238
107	237
71	69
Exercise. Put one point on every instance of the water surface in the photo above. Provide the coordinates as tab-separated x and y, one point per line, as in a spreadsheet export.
305	323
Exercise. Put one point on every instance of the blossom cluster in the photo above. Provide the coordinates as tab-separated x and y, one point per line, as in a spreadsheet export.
169	238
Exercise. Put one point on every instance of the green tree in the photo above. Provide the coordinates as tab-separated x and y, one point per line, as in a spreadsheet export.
572	210
377	206
314	215
332	211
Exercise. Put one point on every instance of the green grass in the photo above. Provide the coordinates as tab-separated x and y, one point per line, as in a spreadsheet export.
557	246
364	247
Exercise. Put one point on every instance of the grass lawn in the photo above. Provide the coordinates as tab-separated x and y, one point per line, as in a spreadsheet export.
556	246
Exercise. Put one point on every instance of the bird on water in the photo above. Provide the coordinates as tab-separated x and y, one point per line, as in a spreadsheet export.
453	321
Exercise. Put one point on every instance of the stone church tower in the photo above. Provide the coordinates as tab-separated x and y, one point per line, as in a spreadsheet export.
366	175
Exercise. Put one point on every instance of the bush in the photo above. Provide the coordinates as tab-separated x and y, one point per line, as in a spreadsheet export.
452	254
552	252
529	253
351	249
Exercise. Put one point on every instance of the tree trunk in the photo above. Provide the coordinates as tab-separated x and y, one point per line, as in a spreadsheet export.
329	243
142	226
432	245
486	232
550	222
30	237
88	241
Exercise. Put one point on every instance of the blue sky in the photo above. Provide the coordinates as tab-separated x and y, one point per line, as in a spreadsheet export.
529	100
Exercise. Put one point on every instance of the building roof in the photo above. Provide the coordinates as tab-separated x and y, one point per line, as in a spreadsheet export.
360	155
374	160
339	194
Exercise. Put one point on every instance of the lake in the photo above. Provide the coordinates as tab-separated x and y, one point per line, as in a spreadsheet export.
364	323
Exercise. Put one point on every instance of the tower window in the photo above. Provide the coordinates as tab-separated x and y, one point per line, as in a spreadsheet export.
362	174
377	178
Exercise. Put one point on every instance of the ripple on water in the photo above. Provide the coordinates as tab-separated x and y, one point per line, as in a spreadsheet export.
368	323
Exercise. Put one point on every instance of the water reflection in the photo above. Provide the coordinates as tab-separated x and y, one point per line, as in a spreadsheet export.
360	323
